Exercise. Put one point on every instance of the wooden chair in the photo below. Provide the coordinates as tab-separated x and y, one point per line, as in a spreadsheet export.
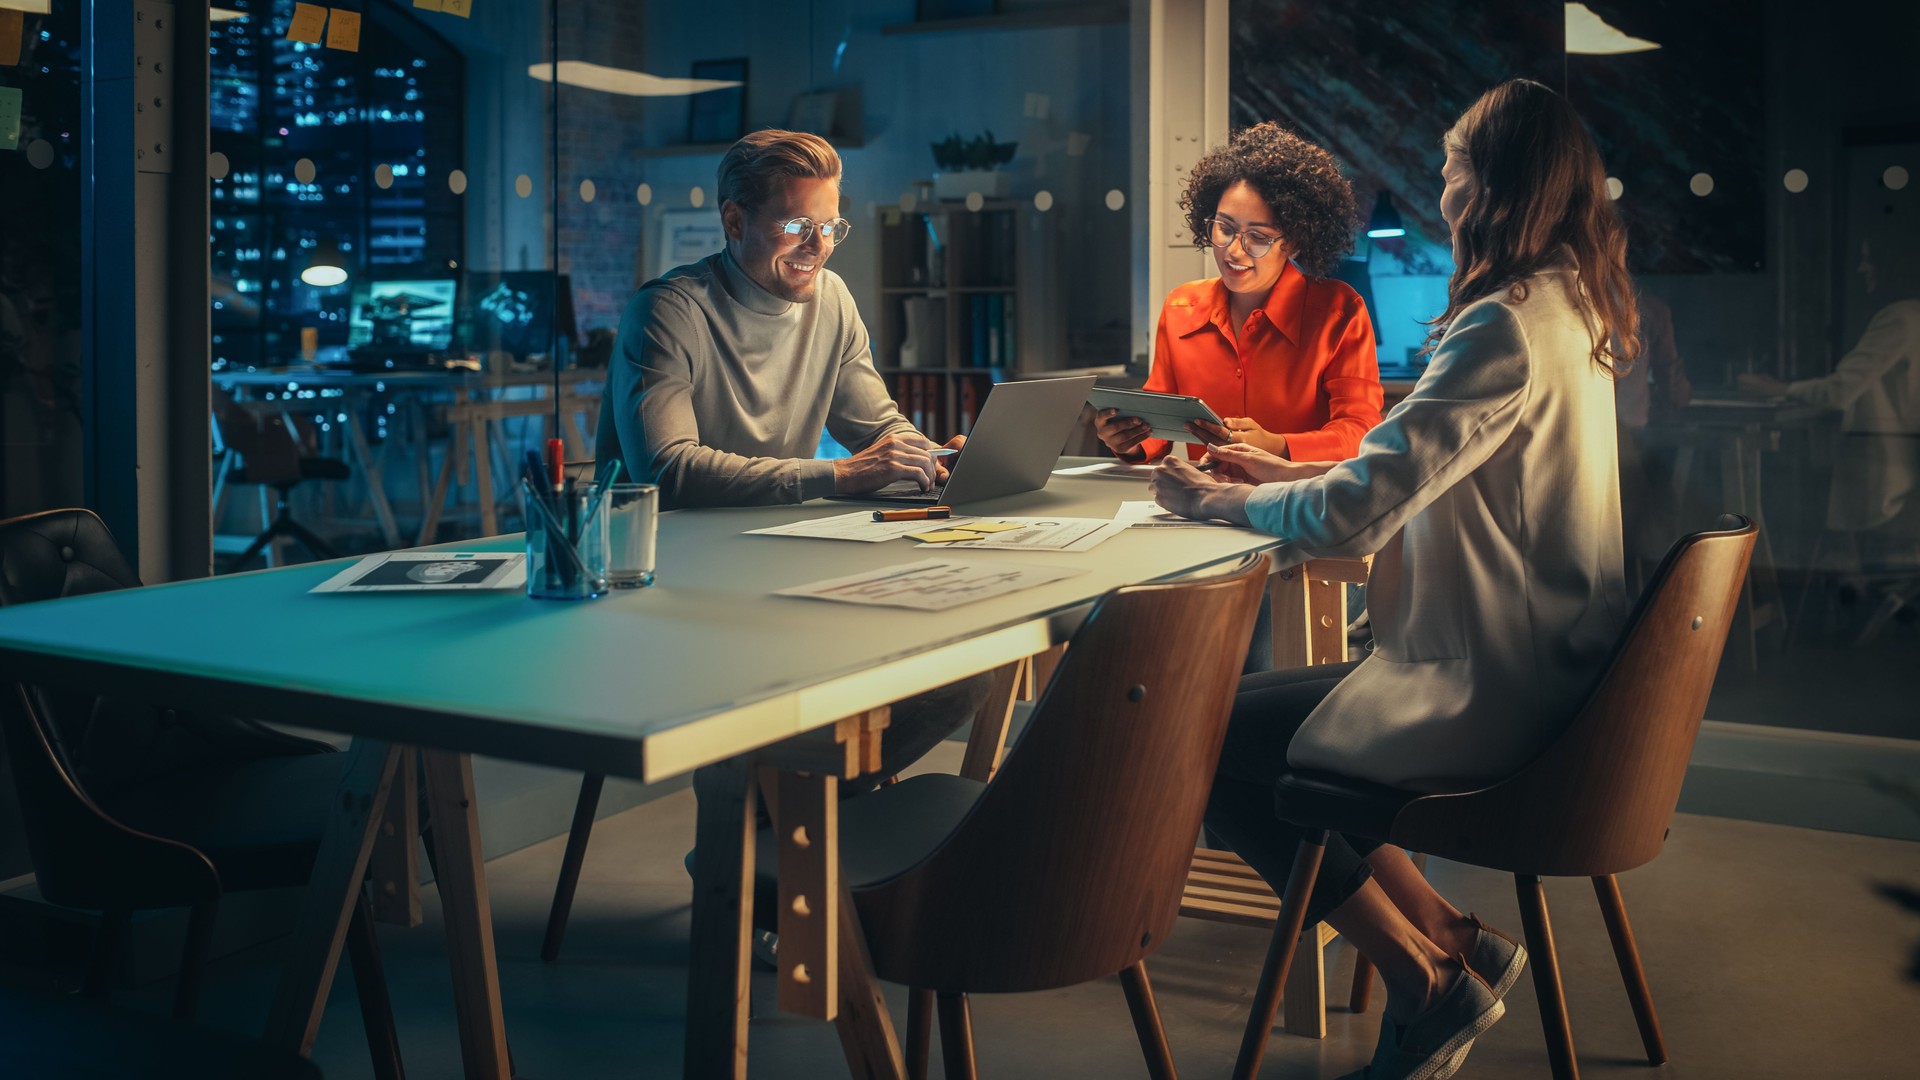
1068	865
129	807
1595	804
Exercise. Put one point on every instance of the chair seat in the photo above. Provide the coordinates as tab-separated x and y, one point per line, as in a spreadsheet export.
881	833
311	468
272	844
62	1036
1326	800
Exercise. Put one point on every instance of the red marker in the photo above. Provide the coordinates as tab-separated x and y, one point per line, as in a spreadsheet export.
557	465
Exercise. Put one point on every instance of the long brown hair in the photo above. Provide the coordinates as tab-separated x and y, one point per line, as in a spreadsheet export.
1539	186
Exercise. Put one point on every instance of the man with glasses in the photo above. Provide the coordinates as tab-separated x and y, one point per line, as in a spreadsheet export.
727	370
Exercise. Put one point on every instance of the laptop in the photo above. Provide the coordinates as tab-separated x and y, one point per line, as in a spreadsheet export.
1013	447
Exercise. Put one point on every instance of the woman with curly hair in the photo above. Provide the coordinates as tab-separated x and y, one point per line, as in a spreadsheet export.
1286	359
1490	501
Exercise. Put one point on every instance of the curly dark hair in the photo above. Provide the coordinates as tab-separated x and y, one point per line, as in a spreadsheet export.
1312	203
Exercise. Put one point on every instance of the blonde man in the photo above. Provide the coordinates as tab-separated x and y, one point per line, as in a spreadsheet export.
728	369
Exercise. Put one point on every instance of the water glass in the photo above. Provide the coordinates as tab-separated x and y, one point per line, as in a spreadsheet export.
566	543
633	513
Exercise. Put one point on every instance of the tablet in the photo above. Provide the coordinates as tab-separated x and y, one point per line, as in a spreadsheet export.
431	571
1168	413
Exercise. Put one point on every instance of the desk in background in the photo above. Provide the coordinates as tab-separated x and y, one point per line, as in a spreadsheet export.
473	410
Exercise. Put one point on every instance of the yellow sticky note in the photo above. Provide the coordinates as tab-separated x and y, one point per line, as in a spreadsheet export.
9	118
430	5
307	23
944	536
343	30
989	526
462	8
11	23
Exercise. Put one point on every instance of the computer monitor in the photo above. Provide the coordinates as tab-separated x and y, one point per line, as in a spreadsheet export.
402	315
515	311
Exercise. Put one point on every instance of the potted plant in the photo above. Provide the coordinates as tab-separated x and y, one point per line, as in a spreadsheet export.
969	165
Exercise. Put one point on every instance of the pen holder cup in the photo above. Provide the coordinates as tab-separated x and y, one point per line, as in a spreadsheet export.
566	542
633	514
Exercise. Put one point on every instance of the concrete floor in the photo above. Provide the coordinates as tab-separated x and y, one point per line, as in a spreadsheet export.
1771	952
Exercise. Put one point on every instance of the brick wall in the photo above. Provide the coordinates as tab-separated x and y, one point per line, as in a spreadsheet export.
599	241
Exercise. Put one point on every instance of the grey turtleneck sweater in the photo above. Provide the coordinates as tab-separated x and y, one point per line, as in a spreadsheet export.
718	390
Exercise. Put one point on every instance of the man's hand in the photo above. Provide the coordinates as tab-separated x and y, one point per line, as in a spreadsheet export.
1252	465
1182	489
1760	387
895	457
1122	434
957	443
1243	429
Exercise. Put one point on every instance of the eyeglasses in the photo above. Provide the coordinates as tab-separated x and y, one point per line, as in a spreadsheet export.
800	229
1222	235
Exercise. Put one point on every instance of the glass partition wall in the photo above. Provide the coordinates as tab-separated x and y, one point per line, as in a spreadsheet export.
425	242
1761	155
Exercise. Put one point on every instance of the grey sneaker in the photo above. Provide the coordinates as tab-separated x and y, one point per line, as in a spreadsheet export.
1434	1044
1496	958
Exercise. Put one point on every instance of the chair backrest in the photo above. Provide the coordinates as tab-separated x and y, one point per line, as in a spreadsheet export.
269	451
60	743
1598	801
1071	865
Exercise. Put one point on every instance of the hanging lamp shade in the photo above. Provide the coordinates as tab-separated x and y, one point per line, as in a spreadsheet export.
326	265
1384	222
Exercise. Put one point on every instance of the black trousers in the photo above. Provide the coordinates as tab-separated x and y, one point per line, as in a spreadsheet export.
1268	710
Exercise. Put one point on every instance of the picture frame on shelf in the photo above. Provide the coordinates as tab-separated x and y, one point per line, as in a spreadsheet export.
832	114
718	116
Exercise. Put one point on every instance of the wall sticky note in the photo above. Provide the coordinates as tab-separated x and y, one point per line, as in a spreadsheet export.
343	30
430	5
307	23
10	28
9	118
1077	143
462	8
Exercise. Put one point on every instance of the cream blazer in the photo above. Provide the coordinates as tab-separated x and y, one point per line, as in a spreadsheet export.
1490	499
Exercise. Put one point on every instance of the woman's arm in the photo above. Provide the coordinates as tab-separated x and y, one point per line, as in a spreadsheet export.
1465	406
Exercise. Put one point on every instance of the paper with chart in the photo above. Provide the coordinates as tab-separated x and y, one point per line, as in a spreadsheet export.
931	585
1040	534
1147	514
858	526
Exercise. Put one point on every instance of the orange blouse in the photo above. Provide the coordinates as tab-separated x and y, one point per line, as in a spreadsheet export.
1303	366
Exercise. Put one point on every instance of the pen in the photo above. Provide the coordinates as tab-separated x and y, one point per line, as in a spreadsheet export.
1207	466
924	513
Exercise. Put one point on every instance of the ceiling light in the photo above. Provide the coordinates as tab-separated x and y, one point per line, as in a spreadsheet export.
1592	35
221	14
589	76
1384	223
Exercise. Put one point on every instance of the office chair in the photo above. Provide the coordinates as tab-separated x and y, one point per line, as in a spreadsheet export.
1595	804
128	806
270	454
1068	866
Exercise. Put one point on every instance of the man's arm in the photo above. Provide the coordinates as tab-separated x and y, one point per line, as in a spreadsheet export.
863	412
651	379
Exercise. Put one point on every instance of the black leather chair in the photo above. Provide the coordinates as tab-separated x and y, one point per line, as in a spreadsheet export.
128	806
49	1036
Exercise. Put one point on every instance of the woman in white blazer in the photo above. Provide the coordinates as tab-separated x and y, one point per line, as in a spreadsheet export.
1490	501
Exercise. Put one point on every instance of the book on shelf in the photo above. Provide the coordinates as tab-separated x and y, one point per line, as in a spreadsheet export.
924	341
969	404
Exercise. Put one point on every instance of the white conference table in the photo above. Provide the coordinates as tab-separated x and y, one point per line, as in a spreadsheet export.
705	672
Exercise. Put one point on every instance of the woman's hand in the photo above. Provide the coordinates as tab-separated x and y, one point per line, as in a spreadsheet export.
1760	387
1182	489
1122	434
1252	465
1243	429
1210	433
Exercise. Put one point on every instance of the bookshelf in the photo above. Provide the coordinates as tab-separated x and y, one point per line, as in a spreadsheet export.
960	309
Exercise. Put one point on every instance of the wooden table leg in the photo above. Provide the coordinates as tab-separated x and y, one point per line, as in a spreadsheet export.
395	868
806	819
460	877
864	1024
988	738
1292	622
717	976
376	480
331	894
